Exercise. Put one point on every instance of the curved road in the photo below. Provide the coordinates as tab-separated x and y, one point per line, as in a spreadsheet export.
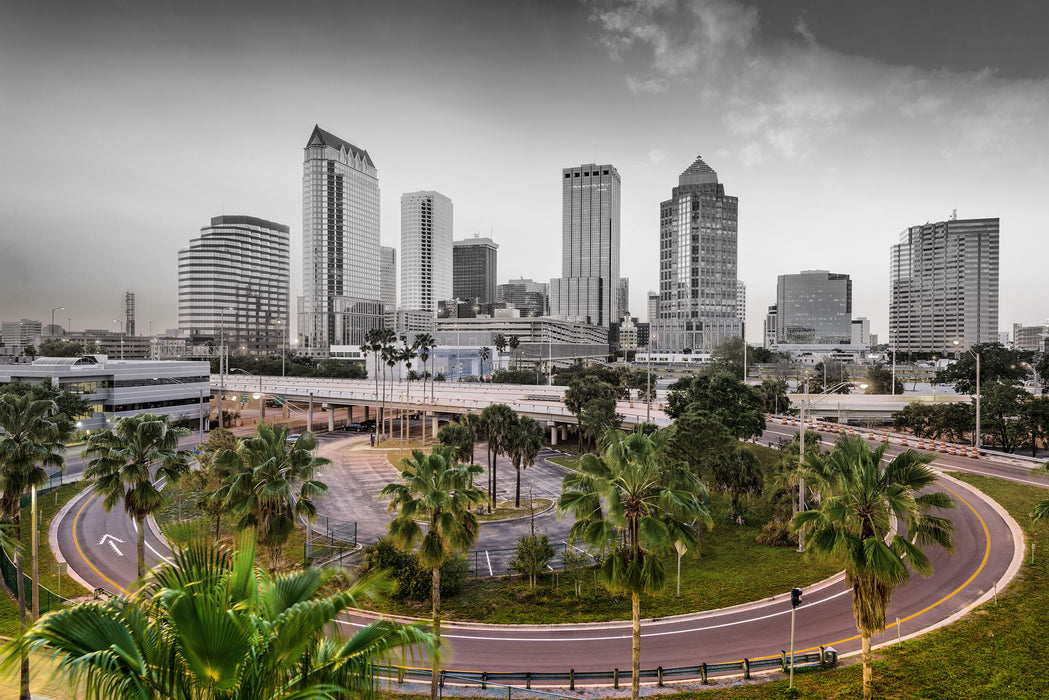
985	554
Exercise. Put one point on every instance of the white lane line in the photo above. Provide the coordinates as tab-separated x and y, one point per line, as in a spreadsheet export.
489	560
627	635
151	548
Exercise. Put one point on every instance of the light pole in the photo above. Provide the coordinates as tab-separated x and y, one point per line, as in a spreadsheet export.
222	370
975	354
121	326
802	405
648	386
57	308
259	395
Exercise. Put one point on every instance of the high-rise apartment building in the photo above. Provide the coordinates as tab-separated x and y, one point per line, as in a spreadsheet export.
741	306
588	289
474	267
426	250
340	234
18	334
234	280
388	282
697	264
769	336
944	286
814	307
653	307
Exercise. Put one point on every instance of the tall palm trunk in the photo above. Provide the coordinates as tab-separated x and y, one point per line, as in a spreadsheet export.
23	676
140	546
635	647
868	669
435	612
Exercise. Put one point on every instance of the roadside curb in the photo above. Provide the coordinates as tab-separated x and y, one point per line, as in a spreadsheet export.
52	535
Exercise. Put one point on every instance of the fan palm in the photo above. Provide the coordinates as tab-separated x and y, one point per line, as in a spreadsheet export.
633	503
126	459
30	440
524	445
499	423
860	500
211	626
271	484
439	490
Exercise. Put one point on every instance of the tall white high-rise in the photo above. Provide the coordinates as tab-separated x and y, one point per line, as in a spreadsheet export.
426	250
388	282
588	288
697	264
944	286
340	235
235	279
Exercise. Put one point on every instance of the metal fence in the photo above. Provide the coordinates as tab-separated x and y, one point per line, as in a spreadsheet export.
331	540
496	562
505	681
48	599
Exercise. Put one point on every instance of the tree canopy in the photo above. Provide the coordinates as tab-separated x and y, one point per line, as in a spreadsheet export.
997	364
740	408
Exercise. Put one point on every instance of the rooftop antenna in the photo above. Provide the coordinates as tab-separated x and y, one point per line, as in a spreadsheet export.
954	214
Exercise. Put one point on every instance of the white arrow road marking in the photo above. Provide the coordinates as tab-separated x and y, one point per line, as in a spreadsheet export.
112	543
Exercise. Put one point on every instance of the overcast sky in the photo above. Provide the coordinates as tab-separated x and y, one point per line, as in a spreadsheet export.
125	126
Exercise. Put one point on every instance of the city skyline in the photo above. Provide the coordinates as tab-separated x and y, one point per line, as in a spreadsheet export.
837	127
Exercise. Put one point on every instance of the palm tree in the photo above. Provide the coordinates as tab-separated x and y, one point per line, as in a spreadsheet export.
261	489
30	440
389	356
437	489
484	353
473	423
425	343
406	354
499	422
210	626
524	445
860	501
634	504
513	342
373	345
123	460
499	341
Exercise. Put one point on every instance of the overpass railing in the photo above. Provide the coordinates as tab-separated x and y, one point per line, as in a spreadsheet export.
513	680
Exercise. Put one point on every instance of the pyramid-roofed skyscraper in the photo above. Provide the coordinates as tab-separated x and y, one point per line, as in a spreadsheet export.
697	264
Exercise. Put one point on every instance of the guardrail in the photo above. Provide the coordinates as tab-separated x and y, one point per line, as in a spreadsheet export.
826	656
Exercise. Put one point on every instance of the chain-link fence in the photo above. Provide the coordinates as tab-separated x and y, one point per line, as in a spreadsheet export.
48	600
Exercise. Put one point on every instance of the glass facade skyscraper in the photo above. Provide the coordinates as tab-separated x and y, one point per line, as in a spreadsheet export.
235	278
814	307
697	264
474	266
426	250
588	289
944	286
340	235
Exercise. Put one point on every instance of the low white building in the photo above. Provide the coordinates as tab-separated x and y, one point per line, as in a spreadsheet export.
117	388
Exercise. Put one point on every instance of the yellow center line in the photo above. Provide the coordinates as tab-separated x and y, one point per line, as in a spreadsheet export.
76	542
983	563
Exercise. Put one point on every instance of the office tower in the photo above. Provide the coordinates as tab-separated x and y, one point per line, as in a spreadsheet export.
527	296
769	337
814	307
1030	338
129	313
944	286
623	298
340	235
861	331
697	264
388	279
588	289
234	279
474	267
741	307
426	250
653	307
19	334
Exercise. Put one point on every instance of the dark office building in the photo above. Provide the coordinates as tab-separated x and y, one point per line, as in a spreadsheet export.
474	270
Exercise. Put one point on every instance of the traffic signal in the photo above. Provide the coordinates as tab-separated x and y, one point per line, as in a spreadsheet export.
795	597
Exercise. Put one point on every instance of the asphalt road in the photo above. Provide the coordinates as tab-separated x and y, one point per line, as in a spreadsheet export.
985	552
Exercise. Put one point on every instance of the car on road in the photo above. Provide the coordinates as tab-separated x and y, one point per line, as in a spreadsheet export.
354	427
293	437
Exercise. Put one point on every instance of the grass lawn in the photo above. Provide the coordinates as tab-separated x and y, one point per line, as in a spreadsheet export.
48	504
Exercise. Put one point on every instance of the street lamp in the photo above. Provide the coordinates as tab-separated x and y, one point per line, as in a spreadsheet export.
258	396
121	326
57	308
977	356
222	370
802	405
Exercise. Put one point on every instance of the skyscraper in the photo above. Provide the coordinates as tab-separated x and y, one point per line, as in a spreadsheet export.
814	307
697	264
235	278
944	286
623	297
426	250
340	234
474	267
388	281
588	288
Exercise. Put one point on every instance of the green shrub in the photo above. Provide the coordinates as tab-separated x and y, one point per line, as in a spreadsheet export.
413	582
